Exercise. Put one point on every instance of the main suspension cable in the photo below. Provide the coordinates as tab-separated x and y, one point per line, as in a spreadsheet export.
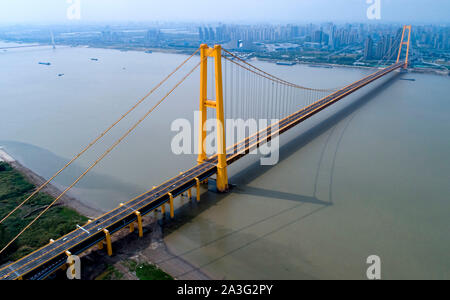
102	156
99	137
268	75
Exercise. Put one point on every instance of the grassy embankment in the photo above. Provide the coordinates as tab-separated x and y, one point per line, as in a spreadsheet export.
57	221
143	271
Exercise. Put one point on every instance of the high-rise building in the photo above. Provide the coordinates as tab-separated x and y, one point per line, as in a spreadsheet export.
331	37
201	35
317	37
368	48
153	35
212	35
380	49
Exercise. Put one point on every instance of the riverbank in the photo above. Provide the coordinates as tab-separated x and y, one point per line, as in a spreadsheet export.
188	51
130	251
327	65
14	189
316	64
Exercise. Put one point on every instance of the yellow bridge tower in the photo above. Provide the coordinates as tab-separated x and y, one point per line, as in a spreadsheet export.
407	43
217	104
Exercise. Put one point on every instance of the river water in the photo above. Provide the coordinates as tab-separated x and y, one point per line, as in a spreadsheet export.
367	176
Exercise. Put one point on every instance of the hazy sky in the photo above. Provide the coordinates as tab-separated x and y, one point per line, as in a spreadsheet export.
55	11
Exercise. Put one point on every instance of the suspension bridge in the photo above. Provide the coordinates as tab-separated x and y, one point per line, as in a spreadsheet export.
251	93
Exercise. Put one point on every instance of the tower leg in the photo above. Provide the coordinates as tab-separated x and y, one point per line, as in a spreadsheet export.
222	176
203	98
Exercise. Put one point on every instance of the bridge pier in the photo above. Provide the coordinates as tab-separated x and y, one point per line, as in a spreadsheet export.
108	242
131	227
139	221
172	213
198	189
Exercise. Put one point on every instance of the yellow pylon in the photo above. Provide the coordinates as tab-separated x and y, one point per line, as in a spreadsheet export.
217	104
407	43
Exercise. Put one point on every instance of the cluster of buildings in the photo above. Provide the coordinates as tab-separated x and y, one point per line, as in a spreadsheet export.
327	34
326	42
386	47
425	39
375	41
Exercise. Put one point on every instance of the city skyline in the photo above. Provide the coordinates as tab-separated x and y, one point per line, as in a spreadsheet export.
352	44
251	11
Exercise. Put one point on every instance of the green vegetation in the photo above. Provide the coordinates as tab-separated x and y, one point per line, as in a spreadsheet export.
130	264
110	273
57	221
146	271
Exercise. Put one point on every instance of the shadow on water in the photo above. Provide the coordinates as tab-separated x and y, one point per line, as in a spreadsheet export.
188	211
249	190
251	239
255	170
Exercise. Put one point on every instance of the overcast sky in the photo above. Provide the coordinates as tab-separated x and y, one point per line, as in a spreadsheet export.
246	11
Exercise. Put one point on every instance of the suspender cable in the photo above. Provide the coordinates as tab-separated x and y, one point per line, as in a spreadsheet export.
271	77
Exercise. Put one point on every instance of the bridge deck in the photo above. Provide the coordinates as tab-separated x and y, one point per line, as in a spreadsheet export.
49	258
24	46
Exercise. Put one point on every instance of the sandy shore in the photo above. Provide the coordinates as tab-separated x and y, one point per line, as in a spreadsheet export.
50	189
5	157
